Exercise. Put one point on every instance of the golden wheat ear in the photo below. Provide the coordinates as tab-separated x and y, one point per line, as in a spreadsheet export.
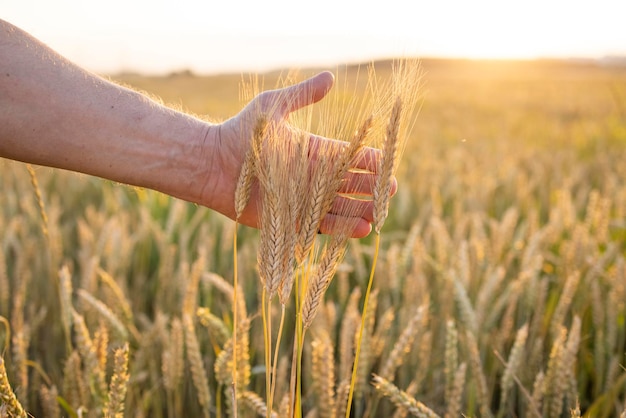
8	398
250	166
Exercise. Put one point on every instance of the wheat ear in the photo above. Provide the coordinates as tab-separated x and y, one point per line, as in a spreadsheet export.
117	390
256	403
75	390
553	385
4	286
515	361
40	202
87	351
322	277
198	374
324	375
173	356
381	194
402	399
8	398
387	166
49	402
476	368
249	167
451	359
454	402
402	347
104	312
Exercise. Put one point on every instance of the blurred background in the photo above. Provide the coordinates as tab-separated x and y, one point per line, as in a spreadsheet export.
232	36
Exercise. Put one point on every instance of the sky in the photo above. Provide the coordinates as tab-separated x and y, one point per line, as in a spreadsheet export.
157	36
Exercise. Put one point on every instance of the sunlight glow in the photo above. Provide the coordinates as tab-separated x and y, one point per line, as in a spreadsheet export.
239	35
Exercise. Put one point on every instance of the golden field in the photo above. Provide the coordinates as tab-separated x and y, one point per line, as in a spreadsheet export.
500	288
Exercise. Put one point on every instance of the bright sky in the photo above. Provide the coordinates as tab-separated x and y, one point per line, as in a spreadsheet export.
211	36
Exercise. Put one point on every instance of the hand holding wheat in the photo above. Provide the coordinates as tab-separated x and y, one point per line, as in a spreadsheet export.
233	140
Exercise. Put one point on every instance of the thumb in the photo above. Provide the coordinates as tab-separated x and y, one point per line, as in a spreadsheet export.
306	92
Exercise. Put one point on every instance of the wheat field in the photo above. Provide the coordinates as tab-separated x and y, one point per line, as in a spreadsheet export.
499	288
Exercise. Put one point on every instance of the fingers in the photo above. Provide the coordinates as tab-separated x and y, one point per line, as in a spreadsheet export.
304	93
332	224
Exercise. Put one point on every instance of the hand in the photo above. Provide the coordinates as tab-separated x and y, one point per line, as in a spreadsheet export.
232	140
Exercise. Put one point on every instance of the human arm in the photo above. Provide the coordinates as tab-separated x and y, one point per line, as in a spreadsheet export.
56	114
